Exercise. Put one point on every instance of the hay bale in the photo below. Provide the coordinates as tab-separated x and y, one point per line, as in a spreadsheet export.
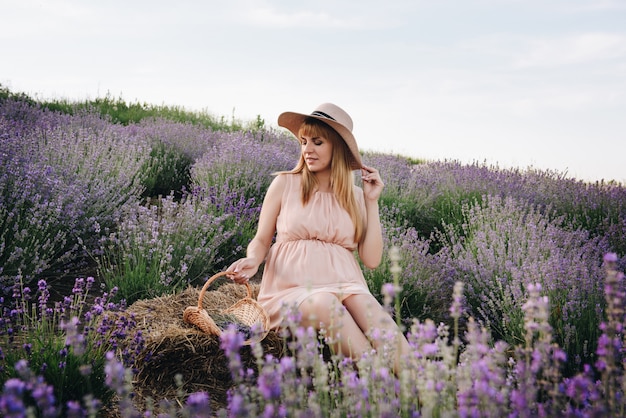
174	347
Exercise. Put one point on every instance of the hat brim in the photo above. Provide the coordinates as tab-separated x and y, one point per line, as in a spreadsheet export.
293	121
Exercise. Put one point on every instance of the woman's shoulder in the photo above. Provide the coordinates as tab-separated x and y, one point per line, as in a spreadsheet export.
285	180
286	177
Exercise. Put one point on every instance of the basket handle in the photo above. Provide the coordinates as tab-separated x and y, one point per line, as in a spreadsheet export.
211	280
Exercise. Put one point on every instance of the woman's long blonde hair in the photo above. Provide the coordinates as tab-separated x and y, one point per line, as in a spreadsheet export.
341	177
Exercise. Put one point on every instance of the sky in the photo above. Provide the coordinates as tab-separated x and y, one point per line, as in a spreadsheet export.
509	83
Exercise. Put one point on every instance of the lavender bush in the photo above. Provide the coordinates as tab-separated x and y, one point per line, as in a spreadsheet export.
244	162
431	194
163	246
233	176
502	246
63	185
422	200
21	117
21	181
53	352
174	147
99	165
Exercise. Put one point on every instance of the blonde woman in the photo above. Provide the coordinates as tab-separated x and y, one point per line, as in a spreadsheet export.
321	218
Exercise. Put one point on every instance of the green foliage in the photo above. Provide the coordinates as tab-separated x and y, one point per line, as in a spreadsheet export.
166	171
120	111
6	94
125	113
447	209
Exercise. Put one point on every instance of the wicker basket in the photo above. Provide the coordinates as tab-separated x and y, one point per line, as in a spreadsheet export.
247	311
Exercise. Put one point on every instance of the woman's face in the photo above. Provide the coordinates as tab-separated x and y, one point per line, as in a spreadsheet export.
317	152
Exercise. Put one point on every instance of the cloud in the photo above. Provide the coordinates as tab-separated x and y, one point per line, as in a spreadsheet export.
595	5
570	50
266	16
348	15
29	19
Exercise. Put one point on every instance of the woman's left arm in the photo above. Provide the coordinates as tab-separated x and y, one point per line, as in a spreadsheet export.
371	245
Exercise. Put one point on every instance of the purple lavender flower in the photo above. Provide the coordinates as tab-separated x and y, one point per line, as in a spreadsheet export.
68	172
22	369
580	390
231	340
115	373
237	405
456	309
287	365
197	405
79	285
74	338
269	411
11	403
389	290
44	295
43	394
75	410
269	384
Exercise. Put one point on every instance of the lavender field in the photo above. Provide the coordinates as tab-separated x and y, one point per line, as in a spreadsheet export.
507	282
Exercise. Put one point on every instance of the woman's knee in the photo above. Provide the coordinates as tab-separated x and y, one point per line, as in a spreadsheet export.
320	308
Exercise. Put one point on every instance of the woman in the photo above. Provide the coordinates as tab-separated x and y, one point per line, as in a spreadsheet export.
321	218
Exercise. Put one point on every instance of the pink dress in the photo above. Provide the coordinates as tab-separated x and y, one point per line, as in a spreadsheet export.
313	252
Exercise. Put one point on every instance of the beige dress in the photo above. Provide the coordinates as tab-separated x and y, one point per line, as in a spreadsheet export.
313	252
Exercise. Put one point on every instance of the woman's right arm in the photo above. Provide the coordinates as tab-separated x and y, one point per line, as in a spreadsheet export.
246	267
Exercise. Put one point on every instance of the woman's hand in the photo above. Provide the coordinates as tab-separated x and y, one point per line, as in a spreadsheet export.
243	269
372	183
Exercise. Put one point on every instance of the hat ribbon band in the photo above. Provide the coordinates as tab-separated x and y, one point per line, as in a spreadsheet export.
322	114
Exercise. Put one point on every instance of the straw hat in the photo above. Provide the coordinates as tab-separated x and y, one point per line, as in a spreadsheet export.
333	116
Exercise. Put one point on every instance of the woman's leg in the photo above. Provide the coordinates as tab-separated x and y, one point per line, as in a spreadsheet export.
369	315
324	310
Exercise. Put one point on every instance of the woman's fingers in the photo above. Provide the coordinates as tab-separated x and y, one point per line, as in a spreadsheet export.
239	278
371	175
240	271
